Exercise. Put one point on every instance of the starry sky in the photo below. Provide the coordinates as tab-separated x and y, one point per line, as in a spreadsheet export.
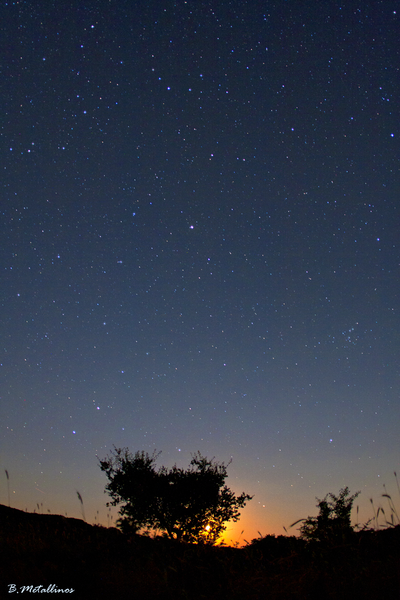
200	247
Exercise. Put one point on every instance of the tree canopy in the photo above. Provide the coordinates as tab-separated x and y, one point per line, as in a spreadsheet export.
333	523
191	505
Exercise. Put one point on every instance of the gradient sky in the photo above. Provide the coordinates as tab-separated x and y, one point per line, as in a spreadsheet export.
200	247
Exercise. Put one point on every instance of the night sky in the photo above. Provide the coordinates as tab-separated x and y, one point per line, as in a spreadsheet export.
200	248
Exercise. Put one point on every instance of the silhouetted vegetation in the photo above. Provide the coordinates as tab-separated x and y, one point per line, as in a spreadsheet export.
190	505
333	524
101	563
82	507
330	559
8	485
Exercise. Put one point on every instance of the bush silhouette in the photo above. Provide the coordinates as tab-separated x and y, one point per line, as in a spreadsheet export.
191	505
333	523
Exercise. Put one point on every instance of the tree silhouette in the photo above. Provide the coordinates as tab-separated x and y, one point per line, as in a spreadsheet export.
333	523
191	505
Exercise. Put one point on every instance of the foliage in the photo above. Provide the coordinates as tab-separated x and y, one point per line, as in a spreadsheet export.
190	505
394	516
102	563
333	523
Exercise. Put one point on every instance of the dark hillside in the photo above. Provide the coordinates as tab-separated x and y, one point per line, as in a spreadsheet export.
41	550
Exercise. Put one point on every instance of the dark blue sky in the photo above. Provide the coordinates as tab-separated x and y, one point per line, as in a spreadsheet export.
200	225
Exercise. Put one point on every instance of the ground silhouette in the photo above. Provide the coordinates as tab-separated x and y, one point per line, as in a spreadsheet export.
102	563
